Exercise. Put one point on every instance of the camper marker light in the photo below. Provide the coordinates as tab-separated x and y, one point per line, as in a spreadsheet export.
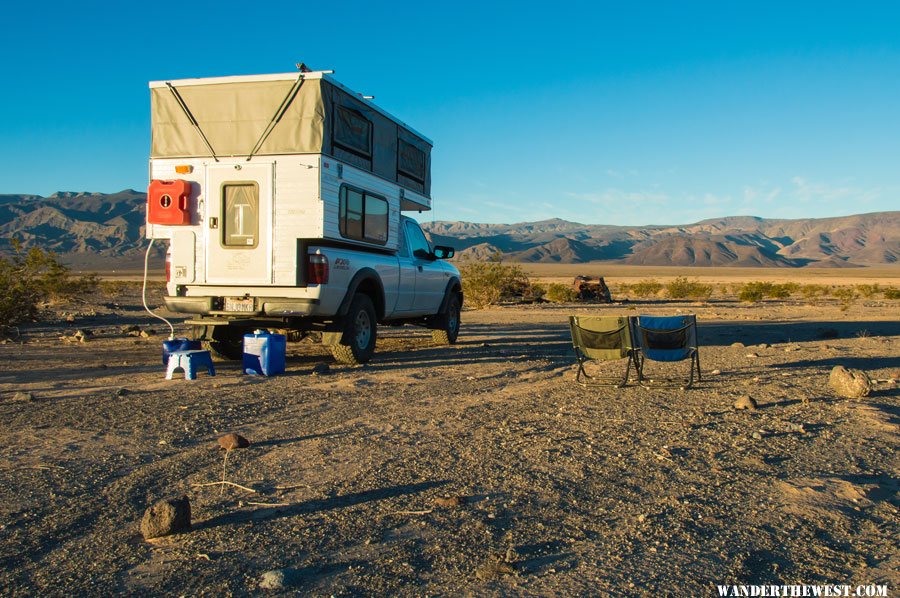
184	169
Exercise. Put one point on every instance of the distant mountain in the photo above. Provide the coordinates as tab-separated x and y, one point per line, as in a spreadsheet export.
97	230
864	239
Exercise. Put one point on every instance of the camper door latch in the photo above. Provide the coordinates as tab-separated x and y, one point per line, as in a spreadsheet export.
213	222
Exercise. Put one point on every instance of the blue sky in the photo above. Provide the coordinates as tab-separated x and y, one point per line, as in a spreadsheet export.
599	112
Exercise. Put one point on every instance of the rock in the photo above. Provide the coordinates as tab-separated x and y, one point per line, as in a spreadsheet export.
233	441
737	345
166	517
752	355
321	369
273	580
23	397
129	329
756	436
449	501
850	384
745	402
494	568
121	392
70	318
83	333
144	334
715	372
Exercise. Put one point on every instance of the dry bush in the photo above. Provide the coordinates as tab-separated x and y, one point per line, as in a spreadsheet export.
814	291
846	295
488	283
868	290
754	291
891	293
645	288
682	288
34	277
560	293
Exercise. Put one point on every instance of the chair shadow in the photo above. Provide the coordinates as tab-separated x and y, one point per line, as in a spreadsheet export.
317	505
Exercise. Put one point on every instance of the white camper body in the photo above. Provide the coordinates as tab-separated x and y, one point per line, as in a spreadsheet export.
281	199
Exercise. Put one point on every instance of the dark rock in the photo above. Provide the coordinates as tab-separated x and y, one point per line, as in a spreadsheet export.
233	441
165	517
850	384
321	369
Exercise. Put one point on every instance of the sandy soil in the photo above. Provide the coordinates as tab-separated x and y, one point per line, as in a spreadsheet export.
566	491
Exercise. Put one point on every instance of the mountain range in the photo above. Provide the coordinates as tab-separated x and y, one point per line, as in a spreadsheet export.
105	231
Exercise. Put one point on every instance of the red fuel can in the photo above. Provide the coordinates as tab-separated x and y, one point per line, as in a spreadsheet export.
168	202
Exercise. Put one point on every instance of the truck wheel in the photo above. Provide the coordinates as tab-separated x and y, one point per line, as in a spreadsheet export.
449	324
358	341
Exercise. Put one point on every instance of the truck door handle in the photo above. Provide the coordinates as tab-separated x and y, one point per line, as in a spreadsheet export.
419	268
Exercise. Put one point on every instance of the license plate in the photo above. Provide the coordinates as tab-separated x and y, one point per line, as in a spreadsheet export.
239	304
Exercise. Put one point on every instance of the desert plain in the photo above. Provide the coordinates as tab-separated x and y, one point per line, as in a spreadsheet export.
474	469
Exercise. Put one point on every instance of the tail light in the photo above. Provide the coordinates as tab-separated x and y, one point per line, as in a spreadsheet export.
317	269
168	265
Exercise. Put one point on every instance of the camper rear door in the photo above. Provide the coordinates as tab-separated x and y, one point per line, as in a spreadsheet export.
238	224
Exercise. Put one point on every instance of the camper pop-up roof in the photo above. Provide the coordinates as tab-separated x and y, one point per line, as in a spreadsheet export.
291	113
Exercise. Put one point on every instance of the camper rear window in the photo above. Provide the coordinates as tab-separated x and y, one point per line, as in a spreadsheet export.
362	216
353	132
240	222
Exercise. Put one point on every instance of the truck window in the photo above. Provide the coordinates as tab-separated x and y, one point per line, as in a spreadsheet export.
240	221
416	238
363	216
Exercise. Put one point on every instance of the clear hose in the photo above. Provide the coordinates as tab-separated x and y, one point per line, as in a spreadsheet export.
144	293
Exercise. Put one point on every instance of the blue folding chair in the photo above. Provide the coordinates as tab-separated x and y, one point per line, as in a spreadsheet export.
670	339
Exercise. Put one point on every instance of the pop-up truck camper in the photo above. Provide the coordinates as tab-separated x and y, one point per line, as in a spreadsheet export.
281	198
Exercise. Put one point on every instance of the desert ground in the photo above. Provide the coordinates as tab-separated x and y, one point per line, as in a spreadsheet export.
562	490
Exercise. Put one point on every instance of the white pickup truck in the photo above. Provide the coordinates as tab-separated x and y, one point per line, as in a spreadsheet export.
280	197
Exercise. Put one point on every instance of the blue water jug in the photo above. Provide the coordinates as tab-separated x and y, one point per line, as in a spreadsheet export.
178	344
264	353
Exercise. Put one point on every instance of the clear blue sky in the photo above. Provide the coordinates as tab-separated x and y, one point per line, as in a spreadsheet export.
599	112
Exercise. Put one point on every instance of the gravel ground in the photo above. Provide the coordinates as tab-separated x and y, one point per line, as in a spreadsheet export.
562	490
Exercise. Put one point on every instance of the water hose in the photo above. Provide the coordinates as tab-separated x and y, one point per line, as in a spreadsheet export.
144	293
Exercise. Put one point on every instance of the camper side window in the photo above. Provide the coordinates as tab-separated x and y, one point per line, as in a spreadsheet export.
362	216
353	132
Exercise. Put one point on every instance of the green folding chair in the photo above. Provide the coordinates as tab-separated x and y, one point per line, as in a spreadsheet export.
601	338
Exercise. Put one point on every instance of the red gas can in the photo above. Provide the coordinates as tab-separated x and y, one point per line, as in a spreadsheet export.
168	202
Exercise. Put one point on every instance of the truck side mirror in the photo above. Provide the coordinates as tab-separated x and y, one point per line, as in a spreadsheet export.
442	252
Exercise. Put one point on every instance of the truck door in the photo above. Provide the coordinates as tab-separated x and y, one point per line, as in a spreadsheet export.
406	290
431	279
238	223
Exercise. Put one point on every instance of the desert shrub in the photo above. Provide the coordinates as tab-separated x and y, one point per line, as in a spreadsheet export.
560	293
646	288
813	291
891	293
31	278
846	295
868	290
488	283
754	291
682	288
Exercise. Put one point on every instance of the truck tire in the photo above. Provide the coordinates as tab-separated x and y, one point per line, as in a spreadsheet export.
449	324
360	329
